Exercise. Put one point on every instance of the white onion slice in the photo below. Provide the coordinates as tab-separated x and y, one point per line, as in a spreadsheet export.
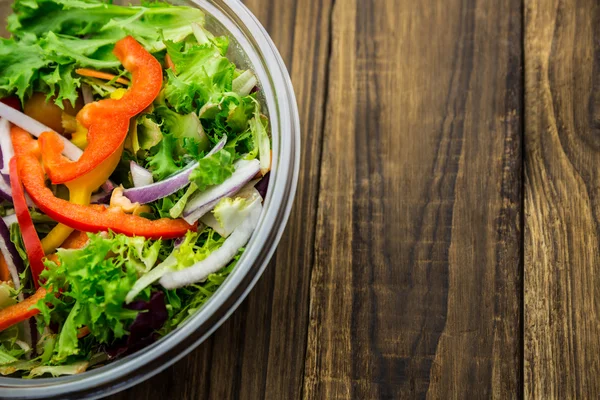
5	145
5	190
203	202
11	255
218	258
140	175
10	219
244	83
231	218
36	129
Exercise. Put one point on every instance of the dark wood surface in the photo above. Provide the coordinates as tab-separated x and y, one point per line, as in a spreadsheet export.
562	199
445	235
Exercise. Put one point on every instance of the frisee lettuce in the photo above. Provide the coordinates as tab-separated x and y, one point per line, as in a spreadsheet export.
87	287
161	163
203	75
148	24
46	43
229	213
184	128
213	170
20	63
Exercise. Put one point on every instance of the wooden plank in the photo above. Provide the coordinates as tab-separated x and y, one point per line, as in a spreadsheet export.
259	351
415	289
5	6
562	206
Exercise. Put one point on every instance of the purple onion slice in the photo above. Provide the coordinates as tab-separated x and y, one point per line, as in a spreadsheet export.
164	188
203	202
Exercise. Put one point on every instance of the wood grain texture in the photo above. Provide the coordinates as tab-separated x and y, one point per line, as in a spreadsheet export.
416	285
562	199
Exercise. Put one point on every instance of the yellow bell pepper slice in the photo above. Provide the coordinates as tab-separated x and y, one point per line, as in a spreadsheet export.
80	192
79	137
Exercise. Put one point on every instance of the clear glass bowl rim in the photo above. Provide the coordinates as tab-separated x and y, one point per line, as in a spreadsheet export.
285	128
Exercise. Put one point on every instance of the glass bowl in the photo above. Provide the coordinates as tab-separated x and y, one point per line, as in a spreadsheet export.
250	47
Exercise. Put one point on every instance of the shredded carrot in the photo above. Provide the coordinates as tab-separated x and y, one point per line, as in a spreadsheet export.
83	332
92	73
21	311
169	63
4	272
76	240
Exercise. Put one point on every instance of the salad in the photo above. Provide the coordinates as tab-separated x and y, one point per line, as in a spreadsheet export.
134	159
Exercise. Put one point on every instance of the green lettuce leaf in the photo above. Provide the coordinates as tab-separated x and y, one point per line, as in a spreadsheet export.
148	131
229	213
183	128
184	302
203	75
20	63
8	294
71	369
244	83
64	49
177	209
12	346
204	37
261	141
232	117
60	83
195	247
87	287
11	368
46	45
67	339
161	162
213	170
17	239
98	19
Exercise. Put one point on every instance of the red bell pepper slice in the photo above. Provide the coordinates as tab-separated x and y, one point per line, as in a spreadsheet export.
35	252
107	121
93	218
21	311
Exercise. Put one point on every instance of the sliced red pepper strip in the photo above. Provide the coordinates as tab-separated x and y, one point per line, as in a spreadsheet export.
32	242
107	121
21	311
93	218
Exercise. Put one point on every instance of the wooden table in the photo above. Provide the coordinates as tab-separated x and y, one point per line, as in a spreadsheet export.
445	236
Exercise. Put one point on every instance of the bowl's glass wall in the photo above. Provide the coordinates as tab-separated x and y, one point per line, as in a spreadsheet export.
251	47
